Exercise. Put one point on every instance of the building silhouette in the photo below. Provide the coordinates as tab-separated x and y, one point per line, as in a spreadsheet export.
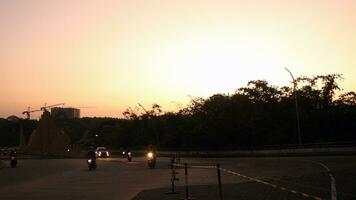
67	113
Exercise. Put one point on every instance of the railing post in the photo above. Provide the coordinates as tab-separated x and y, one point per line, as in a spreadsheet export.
186	182
219	181
173	178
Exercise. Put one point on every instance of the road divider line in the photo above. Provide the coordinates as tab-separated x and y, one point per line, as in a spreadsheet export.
333	187
332	179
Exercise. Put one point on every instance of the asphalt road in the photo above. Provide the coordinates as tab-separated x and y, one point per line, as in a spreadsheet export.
115	178
286	177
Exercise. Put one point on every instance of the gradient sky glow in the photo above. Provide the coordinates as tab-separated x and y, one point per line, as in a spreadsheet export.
114	54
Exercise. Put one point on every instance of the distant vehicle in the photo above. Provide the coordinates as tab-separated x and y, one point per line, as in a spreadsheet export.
13	159
129	156
151	159
91	164
151	156
123	152
102	152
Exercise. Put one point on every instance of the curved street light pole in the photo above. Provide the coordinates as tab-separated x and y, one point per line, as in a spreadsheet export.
296	106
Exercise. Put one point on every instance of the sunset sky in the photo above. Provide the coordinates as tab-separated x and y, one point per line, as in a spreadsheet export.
114	54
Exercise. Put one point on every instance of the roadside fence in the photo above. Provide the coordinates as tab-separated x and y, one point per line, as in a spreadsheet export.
219	169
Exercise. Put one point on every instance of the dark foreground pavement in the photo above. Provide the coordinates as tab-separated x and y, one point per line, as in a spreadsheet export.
240	191
115	178
70	179
272	178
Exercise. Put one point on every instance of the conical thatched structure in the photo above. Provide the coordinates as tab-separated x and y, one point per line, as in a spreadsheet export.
47	138
22	139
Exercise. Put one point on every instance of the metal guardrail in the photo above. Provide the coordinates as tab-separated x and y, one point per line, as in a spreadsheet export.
308	150
269	147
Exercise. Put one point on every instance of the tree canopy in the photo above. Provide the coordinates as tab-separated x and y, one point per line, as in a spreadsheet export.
255	115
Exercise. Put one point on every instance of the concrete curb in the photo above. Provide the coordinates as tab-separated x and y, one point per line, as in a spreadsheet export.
327	151
292	152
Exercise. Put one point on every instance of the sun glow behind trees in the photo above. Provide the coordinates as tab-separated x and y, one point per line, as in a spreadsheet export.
217	61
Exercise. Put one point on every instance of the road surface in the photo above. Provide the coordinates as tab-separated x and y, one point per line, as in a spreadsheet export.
117	179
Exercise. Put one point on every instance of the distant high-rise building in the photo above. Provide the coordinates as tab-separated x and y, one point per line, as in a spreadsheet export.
68	113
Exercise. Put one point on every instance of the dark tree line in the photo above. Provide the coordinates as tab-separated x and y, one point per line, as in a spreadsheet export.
256	115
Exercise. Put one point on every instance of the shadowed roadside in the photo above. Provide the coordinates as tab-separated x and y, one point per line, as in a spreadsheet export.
2	164
245	190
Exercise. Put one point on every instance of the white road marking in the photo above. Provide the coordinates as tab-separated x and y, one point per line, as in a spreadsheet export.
332	179
333	188
251	178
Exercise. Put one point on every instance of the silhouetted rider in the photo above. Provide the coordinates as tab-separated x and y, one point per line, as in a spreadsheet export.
91	154
152	149
12	153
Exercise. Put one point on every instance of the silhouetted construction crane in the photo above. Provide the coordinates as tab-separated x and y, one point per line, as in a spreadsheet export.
84	107
144	109
28	112
44	108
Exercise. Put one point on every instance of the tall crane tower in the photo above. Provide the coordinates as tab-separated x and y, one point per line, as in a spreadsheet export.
28	112
144	109
44	108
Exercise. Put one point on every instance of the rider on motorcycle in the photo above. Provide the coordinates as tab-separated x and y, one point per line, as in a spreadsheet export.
151	156
12	153
91	154
91	160
13	159
152	149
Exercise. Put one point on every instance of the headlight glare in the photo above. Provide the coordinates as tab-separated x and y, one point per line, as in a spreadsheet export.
150	154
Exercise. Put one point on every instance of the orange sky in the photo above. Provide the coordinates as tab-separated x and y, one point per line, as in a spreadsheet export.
114	54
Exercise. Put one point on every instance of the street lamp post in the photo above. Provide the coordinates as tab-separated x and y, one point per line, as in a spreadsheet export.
296	106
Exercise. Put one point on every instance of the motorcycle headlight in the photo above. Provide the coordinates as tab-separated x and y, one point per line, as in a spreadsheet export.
150	155
89	161
129	153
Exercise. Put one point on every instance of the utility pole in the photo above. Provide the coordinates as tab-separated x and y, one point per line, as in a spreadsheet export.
151	116
144	109
296	107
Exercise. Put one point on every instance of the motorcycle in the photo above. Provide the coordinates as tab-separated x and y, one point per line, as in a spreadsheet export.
151	160
123	154
91	164
13	161
129	156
